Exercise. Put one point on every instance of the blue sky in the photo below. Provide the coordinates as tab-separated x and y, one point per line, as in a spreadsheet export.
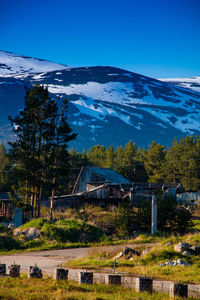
158	38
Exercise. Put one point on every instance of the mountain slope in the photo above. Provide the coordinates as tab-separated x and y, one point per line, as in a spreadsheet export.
192	83
109	105
11	64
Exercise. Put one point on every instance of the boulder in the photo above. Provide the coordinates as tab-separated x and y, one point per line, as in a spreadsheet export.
196	249
189	252
32	234
128	252
178	262
181	247
17	232
169	244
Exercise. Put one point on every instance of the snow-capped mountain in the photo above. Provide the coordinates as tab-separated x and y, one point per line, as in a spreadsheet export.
107	105
192	83
11	64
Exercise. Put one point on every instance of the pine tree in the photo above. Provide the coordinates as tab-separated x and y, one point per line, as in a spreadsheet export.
40	150
154	162
4	167
59	154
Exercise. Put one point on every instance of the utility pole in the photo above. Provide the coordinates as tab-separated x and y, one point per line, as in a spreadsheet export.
154	209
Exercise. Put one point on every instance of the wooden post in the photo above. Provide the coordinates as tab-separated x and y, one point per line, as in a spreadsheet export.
154	208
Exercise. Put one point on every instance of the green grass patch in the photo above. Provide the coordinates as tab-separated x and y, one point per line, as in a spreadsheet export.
148	264
196	224
47	289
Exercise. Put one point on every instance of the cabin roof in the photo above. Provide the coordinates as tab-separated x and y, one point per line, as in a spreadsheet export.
109	175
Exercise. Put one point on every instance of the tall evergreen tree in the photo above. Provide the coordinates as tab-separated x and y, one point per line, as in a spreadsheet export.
59	154
40	148
154	162
4	168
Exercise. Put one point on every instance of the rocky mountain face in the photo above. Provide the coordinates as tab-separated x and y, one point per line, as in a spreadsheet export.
108	106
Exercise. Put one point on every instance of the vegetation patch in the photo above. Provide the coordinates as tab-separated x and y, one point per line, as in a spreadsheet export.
47	288
148	264
51	235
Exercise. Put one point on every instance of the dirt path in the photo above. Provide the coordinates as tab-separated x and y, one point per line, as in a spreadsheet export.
49	260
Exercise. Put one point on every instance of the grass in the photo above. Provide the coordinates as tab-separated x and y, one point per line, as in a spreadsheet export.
147	264
47	288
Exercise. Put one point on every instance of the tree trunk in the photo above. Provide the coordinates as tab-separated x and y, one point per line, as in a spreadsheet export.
53	188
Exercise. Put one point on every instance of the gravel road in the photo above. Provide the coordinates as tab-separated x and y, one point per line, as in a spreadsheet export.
50	259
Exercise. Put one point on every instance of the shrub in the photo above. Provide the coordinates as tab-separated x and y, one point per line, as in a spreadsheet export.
125	219
72	231
5	229
9	243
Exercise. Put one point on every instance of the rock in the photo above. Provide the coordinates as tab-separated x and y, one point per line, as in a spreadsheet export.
11	225
25	231
173	263
131	259
189	252
196	249
128	252
17	232
182	262
120	254
181	247
35	272
32	234
169	244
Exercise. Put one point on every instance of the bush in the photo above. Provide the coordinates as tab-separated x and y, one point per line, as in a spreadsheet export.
5	229
125	219
72	231
9	243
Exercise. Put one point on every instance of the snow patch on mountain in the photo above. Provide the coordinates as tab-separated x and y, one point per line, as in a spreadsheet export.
192	83
101	112
11	64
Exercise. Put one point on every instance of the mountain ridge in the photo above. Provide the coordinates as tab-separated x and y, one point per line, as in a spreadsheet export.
108	105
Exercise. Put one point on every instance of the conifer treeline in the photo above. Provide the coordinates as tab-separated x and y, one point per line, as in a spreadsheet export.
179	163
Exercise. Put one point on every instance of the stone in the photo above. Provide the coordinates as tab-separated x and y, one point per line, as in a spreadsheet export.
178	262
196	249
32	234
154	212
169	244
113	279
17	219
181	247
86	277
11	225
144	284
128	252
180	290
2	269
35	272
17	232
189	252
14	271
60	274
